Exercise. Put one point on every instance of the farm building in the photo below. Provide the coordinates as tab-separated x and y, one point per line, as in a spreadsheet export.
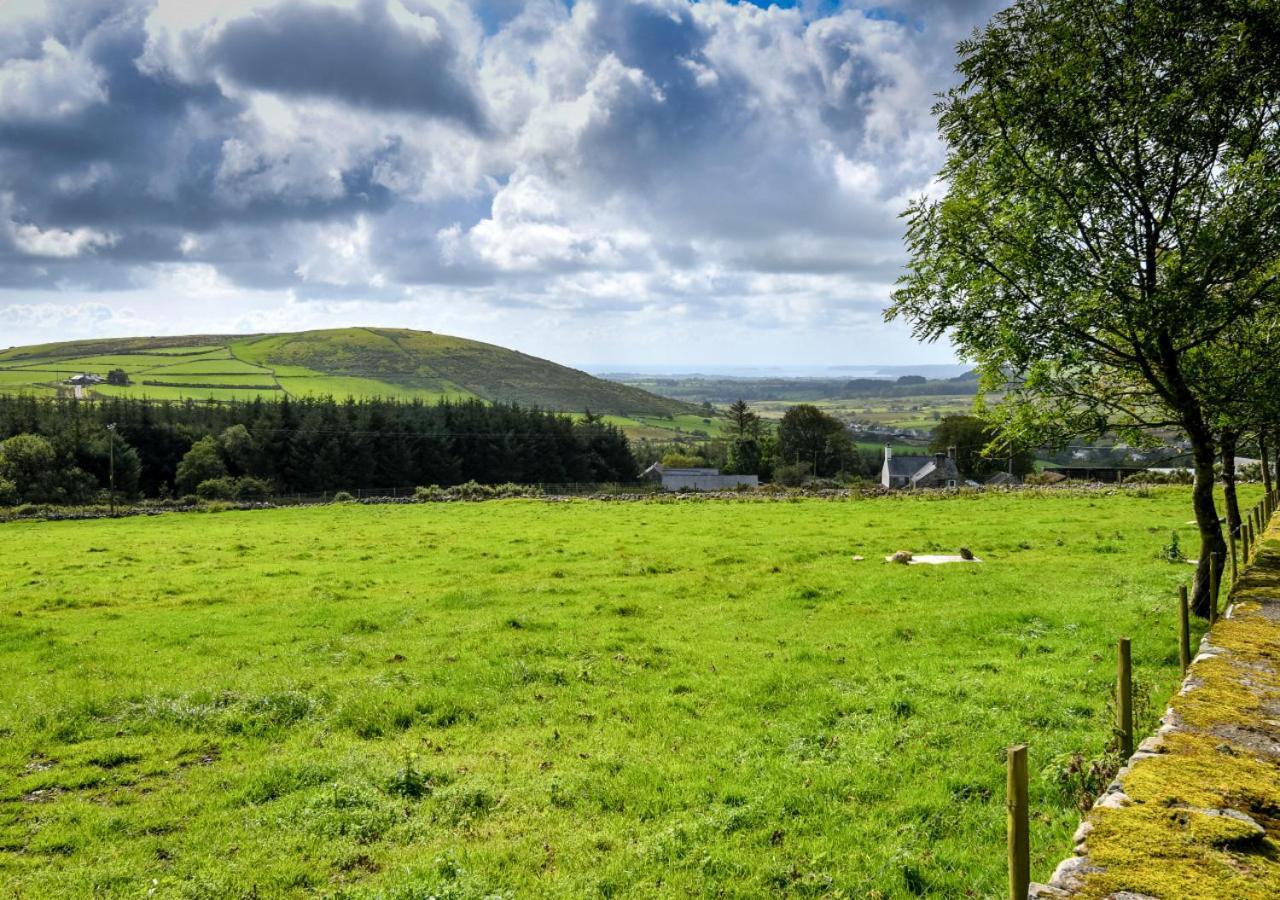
673	479
85	379
910	472
1111	474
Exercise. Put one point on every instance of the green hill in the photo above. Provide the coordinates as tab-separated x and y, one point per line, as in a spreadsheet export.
349	362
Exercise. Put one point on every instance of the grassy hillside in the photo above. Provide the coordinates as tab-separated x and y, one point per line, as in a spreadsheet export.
357	362
522	699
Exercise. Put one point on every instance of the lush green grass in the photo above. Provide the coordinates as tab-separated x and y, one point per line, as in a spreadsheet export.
165	377
339	386
210	366
23	379
200	393
356	362
574	699
667	428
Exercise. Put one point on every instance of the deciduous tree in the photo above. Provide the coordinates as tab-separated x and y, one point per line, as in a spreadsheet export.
811	437
1111	207
203	462
979	450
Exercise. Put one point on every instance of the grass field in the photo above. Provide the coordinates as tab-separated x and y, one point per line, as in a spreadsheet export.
667	428
574	699
917	413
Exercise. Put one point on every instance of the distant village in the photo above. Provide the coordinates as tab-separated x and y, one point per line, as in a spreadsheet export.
899	471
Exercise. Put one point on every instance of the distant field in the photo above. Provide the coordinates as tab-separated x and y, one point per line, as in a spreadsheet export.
210	366
917	413
188	392
666	428
575	699
341	386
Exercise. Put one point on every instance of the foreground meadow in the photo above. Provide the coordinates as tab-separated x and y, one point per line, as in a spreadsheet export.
523	698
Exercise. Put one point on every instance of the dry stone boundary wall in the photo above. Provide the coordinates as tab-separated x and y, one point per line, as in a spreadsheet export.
1195	813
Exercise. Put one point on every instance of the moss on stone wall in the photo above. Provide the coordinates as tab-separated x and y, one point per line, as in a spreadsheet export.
1200	816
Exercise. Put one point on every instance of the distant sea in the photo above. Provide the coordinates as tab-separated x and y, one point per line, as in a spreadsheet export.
619	373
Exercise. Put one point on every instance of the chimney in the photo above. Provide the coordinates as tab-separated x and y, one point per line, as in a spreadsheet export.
888	452
938	459
951	452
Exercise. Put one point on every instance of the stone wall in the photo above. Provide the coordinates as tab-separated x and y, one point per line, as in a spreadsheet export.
1196	811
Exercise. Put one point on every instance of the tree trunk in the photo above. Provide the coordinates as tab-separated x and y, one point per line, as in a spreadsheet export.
1229	440
1179	396
1211	540
1266	463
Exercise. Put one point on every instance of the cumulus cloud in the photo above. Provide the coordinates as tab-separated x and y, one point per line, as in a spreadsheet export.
51	85
674	159
57	243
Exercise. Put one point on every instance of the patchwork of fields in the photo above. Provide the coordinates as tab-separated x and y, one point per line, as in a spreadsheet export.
225	371
574	699
387	363
915	413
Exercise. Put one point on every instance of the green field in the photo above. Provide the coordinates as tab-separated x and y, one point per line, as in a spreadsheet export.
916	413
210	366
575	699
692	427
202	393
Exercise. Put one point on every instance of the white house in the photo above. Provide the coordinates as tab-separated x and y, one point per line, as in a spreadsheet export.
909	472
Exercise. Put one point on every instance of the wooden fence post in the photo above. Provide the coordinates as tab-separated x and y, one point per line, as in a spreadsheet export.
1215	581
1231	539
1184	629
1124	698
1019	842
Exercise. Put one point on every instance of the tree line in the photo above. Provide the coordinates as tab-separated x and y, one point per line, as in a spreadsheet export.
61	450
806	443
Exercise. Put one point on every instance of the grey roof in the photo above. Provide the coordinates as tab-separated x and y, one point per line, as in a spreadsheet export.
915	468
906	466
946	465
1003	478
660	469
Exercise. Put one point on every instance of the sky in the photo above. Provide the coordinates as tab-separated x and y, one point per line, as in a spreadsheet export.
605	183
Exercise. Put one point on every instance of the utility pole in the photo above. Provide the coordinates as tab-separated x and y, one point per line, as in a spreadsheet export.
111	441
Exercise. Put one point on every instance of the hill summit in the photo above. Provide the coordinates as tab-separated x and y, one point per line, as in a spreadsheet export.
393	363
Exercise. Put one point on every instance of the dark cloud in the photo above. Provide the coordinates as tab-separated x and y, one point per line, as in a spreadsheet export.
362	57
146	164
415	243
616	152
